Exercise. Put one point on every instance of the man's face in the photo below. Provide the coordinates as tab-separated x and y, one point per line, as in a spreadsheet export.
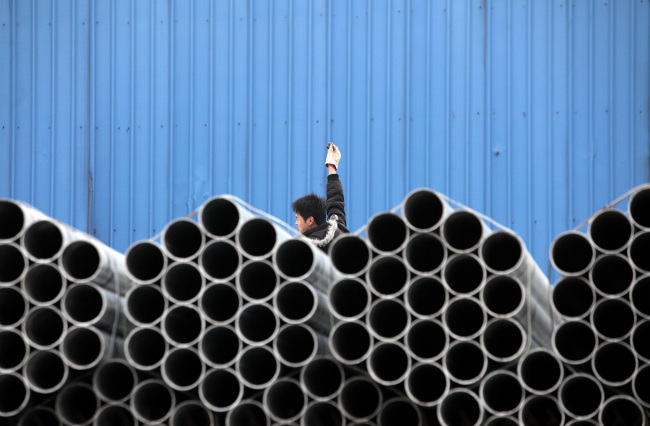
304	225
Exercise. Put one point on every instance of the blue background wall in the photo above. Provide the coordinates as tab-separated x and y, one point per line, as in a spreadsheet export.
118	116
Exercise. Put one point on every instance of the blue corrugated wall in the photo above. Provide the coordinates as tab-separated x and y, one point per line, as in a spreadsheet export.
120	115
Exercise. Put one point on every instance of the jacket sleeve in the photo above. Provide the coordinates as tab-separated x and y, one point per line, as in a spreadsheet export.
335	203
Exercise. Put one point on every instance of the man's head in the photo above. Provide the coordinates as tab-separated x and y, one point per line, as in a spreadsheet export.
310	212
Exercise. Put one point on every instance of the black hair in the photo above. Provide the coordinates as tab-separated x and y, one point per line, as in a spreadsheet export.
310	205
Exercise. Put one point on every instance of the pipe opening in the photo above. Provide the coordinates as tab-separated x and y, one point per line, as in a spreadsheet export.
182	282
621	410
574	341
389	363
350	342
541	409
285	400
77	404
425	253
115	415
387	276
502	421
427	384
350	254
399	411
183	369
84	303
360	399
191	413
639	296
145	348
294	258
502	393
465	318
423	210
427	340
465	362
114	381
13	264
44	327
15	350
81	260
638	251
43	283
40	415
43	240
220	303
502	251
573	297
82	347
145	304
460	407
248	413
257	237
257	324
295	345
219	217
323	412
152	401
349	298
540	371
387	232
14	394
145	261
182	238
641	385
572	253
581	396
639	208
503	295
426	297
641	340
613	319
295	301
611	230
257	281
182	325
322	378
45	371
614	363
462	230
221	390
388	319
464	274
257	367
612	275
12	219
220	346
220	260
13	307
503	339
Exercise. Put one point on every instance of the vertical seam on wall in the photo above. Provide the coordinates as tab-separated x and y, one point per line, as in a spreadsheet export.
328	83
152	108
468	99
427	105
170	111
487	116
132	126
191	122
52	126
590	113
509	148
569	115
549	127
34	95
250	75
529	121
611	103
93	122
12	131
387	175
447	114
269	152
211	130
73	109
231	29
290	97
111	220
368	100
632	27
348	87
407	84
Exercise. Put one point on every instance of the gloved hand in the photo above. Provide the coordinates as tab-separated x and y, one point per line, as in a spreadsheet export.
333	155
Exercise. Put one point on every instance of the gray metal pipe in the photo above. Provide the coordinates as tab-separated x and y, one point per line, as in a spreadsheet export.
220	260
501	421
284	400
581	396
114	414
44	240
322	378
257	238
464	274
257	367
84	348
322	412
424	254
182	325
612	275
145	348
426	297
640	340
257	324
220	346
43	284
641	385
45	372
466	362
257	281
182	369
388	319
221	217
540	371
14	264
15	394
44	327
351	255
144	305
613	319
221	390
503	296
40	415
572	253
387	276
465	318
639	294
611	231
462	231
349	299
350	342
399	411
427	340
387	233
297	344
114	381
182	239
15	350
297	259
15	217
637	251
77	404
14	307
360	399
614	363
88	304
182	282
220	303
621	410
424	210
501	393
388	363
193	413
638	207
248	413
152	401
573	298
145	261
460	406
427	384
574	342
504	340
541	409
296	302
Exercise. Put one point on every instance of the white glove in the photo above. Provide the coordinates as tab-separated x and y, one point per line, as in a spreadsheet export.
333	155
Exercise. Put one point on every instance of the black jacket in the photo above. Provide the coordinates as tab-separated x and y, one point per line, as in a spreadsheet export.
325	233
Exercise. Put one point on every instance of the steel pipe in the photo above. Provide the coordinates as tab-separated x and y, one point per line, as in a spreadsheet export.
613	319
387	276
322	378
504	340
427	340
258	237
503	296
638	208
221	390
220	346
574	342
614	363
221	217
465	318
387	233
182	325
220	303
424	210
388	320
638	250
84	348
257	324
44	240
350	255
639	295
299	260
145	348
501	393
427	384
39	415
322	413
15	217
257	367
388	363
144	305
77	404
257	281
297	344
45	372
114	414
15	350
641	385
114	381
220	260
193	413
145	262
460	407
182	283
464	274
573	298
581	396
248	413
621	410
466	362
87	304
152	401
540	371
182	239
349	299
43	284
297	302
424	254
13	264
572	253
612	275
14	394
462	231
426	297
501	421
360	399
44	327
14	308
640	340
611	231
284	400
541	409
350	342
182	369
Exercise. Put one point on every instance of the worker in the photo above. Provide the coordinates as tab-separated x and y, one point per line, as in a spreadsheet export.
311	210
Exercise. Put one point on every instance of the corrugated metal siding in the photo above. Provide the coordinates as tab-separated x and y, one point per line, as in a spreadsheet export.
118	116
